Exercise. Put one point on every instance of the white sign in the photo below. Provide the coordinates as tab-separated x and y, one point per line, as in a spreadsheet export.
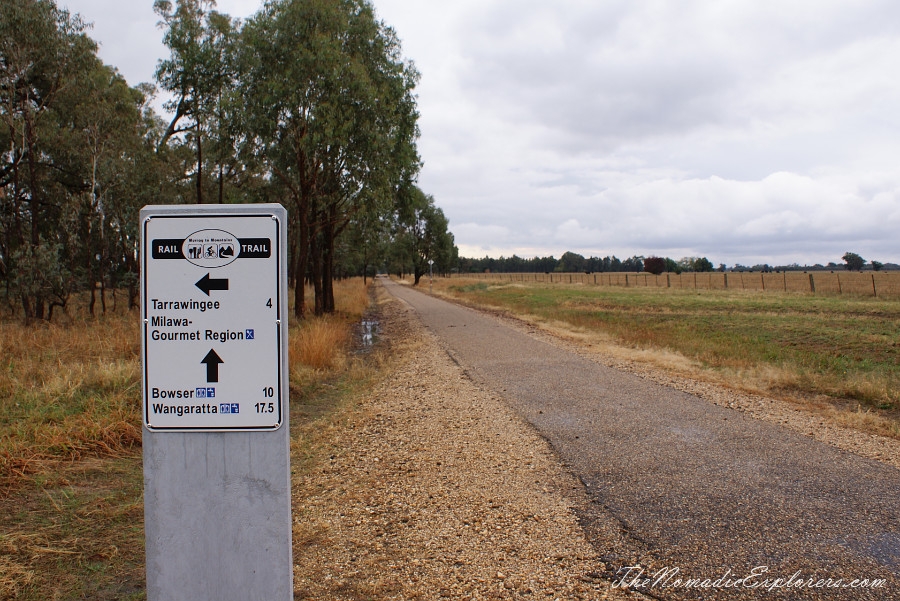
214	329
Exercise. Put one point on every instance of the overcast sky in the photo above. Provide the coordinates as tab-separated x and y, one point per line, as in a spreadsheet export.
744	131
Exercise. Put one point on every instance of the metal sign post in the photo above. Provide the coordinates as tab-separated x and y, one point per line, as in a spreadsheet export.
215	402
431	276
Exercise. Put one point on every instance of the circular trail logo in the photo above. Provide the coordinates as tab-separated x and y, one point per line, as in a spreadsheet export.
210	248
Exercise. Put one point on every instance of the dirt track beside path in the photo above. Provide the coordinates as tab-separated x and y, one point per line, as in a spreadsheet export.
437	489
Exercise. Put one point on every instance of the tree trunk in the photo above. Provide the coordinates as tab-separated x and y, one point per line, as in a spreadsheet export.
199	165
221	185
328	261
37	306
315	265
302	261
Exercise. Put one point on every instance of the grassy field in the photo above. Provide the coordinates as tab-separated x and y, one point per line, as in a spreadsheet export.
71	482
882	284
841	349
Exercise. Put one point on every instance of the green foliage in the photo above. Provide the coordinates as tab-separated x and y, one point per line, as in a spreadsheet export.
633	264
45	62
672	266
570	263
700	264
202	78
330	112
310	103
853	262
420	236
703	265
41	273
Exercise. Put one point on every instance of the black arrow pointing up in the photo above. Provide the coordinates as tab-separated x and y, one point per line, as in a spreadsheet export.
206	284
212	360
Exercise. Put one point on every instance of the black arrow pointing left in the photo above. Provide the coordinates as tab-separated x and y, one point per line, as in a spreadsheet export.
207	283
212	360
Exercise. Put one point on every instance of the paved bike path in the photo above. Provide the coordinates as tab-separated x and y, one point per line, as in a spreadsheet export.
694	487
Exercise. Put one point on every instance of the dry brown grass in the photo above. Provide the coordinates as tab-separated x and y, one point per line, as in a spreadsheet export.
73	391
70	425
319	343
351	297
882	284
67	392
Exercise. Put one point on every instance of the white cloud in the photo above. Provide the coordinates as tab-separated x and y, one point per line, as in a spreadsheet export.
744	131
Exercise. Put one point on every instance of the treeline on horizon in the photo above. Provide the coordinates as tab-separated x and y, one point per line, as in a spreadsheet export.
308	103
571	262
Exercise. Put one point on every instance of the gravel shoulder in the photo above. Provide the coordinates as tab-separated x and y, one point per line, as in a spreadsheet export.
436	489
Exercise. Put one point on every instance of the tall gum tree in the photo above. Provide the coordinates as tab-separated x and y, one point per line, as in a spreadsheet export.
330	113
199	75
43	53
423	234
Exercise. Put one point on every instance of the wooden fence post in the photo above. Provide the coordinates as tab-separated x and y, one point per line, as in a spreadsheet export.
812	284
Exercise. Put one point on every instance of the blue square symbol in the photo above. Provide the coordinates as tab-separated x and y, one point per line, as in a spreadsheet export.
201	393
225	408
210	393
235	408
248	334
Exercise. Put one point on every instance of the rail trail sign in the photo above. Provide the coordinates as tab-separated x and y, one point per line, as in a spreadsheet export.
213	324
216	441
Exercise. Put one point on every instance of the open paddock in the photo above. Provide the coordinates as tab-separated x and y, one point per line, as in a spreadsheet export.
882	284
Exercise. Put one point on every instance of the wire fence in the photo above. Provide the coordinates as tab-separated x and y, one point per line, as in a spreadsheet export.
880	284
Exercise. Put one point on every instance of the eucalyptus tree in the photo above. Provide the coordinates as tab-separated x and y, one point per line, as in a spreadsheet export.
101	128
364	245
853	262
330	113
43	55
199	74
423	234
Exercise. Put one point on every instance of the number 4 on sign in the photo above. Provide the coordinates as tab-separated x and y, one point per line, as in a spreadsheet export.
269	303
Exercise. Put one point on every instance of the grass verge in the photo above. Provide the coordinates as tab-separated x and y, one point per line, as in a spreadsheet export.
842	351
71	480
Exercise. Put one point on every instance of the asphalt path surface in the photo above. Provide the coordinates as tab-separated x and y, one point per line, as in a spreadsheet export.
695	491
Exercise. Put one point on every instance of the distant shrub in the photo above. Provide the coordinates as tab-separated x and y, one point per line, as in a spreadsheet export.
655	265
